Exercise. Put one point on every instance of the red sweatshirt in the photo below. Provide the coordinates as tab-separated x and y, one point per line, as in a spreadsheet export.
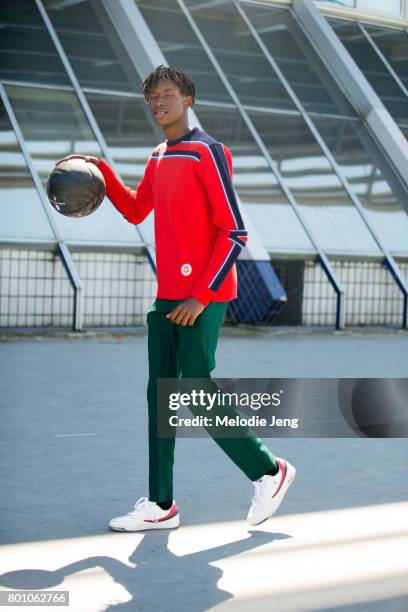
199	231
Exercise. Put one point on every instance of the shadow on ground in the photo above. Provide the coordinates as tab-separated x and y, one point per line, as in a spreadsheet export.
156	567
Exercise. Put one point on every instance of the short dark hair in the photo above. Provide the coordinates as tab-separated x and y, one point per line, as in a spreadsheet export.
183	81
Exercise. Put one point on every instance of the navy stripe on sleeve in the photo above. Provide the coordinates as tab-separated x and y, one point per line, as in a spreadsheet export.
237	240
222	166
229	261
177	153
238	233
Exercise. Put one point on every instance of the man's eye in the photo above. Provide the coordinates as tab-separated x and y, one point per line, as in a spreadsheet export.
166	98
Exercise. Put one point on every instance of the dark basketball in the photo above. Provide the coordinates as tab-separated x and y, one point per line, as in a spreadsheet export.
76	188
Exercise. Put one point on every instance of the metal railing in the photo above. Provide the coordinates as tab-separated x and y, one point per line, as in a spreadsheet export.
118	287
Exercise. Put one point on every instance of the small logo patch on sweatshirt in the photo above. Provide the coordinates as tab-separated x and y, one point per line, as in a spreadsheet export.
186	269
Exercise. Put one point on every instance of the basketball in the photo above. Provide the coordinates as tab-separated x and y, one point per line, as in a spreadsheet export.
76	188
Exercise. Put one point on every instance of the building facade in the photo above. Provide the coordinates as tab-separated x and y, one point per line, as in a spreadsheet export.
310	97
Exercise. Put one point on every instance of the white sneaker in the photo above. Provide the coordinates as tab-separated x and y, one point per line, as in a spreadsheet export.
269	492
147	515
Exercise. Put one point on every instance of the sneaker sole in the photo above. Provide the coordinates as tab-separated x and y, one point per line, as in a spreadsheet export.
170	524
291	473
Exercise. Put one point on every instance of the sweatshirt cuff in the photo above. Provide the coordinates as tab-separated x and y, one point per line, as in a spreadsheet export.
203	295
112	180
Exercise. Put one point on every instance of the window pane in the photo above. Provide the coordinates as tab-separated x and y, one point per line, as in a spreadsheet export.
327	208
298	61
393	44
251	76
348	3
368	182
27	52
267	206
388	6
22	216
53	125
372	67
129	132
88	46
181	47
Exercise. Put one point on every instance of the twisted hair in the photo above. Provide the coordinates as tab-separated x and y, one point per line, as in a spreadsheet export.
177	75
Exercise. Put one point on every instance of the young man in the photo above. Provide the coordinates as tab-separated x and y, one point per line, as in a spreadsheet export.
199	234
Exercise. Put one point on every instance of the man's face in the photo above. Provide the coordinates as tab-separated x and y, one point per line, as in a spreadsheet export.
167	103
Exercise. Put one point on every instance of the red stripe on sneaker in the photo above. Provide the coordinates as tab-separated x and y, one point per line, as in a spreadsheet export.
173	512
283	467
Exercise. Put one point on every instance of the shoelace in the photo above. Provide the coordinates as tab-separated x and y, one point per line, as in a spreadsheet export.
259	489
139	505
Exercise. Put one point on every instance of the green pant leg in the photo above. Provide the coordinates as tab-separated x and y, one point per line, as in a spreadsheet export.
162	339
196	359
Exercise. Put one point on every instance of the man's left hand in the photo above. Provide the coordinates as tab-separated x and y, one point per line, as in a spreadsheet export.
187	312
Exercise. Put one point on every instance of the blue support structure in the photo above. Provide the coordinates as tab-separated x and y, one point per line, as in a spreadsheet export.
260	293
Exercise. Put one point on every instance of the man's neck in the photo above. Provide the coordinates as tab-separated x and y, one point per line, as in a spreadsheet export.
173	132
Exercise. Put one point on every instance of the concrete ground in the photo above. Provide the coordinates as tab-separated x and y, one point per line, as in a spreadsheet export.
73	454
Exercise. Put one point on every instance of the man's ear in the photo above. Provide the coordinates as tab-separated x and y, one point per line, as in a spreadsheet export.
189	101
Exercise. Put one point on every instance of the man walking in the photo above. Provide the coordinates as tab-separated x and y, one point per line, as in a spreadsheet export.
199	234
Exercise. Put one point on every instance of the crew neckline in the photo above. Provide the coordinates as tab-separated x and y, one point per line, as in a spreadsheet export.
186	135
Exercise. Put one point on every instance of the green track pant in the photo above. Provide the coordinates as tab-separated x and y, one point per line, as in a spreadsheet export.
177	351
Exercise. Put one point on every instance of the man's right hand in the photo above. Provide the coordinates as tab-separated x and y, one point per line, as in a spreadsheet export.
87	158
